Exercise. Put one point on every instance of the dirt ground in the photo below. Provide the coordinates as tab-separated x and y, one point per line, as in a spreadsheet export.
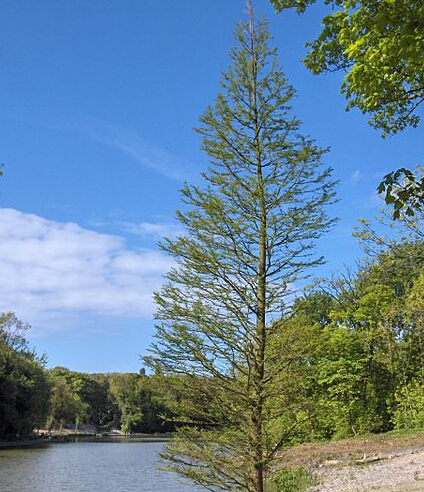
399	474
391	462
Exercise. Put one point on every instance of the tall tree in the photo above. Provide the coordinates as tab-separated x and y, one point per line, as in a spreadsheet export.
379	45
250	233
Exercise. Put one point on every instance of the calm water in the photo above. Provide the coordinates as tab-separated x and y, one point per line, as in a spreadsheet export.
122	466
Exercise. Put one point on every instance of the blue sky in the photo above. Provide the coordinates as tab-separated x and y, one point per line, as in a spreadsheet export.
98	100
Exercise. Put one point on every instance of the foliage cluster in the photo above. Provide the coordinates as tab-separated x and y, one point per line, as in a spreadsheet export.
404	190
24	387
130	402
293	480
361	367
32	397
379	46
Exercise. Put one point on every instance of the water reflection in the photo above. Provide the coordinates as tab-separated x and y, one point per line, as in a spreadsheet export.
106	465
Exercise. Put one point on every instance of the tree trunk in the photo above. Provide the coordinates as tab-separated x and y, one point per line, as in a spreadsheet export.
257	467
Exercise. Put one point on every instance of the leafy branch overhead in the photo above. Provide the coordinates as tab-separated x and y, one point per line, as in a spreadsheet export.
379	45
403	190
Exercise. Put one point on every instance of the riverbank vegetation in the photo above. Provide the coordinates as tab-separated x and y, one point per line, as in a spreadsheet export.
24	387
33	397
128	402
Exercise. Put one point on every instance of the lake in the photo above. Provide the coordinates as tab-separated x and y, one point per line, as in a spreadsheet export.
118	466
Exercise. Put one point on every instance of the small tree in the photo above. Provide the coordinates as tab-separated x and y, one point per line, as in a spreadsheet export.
250	235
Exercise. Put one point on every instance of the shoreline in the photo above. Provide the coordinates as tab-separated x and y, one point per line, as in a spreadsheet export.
66	435
24	443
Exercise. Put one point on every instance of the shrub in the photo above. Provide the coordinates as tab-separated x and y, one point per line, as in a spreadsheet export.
293	480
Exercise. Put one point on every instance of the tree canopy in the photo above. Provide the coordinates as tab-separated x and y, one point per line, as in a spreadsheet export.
379	45
24	388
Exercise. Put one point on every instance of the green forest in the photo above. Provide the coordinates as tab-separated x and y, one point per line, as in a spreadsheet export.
33	397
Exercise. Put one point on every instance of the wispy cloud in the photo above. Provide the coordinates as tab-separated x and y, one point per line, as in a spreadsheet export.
368	202
356	177
53	270
150	156
146	230
150	229
379	175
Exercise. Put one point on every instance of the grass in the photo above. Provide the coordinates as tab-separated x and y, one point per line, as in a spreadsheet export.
292	480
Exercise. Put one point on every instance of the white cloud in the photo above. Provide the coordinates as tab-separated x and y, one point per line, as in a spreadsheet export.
52	270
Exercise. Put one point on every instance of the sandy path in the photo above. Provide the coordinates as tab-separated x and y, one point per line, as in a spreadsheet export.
400	474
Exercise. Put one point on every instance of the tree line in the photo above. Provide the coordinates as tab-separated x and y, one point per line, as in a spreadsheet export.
129	402
33	397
